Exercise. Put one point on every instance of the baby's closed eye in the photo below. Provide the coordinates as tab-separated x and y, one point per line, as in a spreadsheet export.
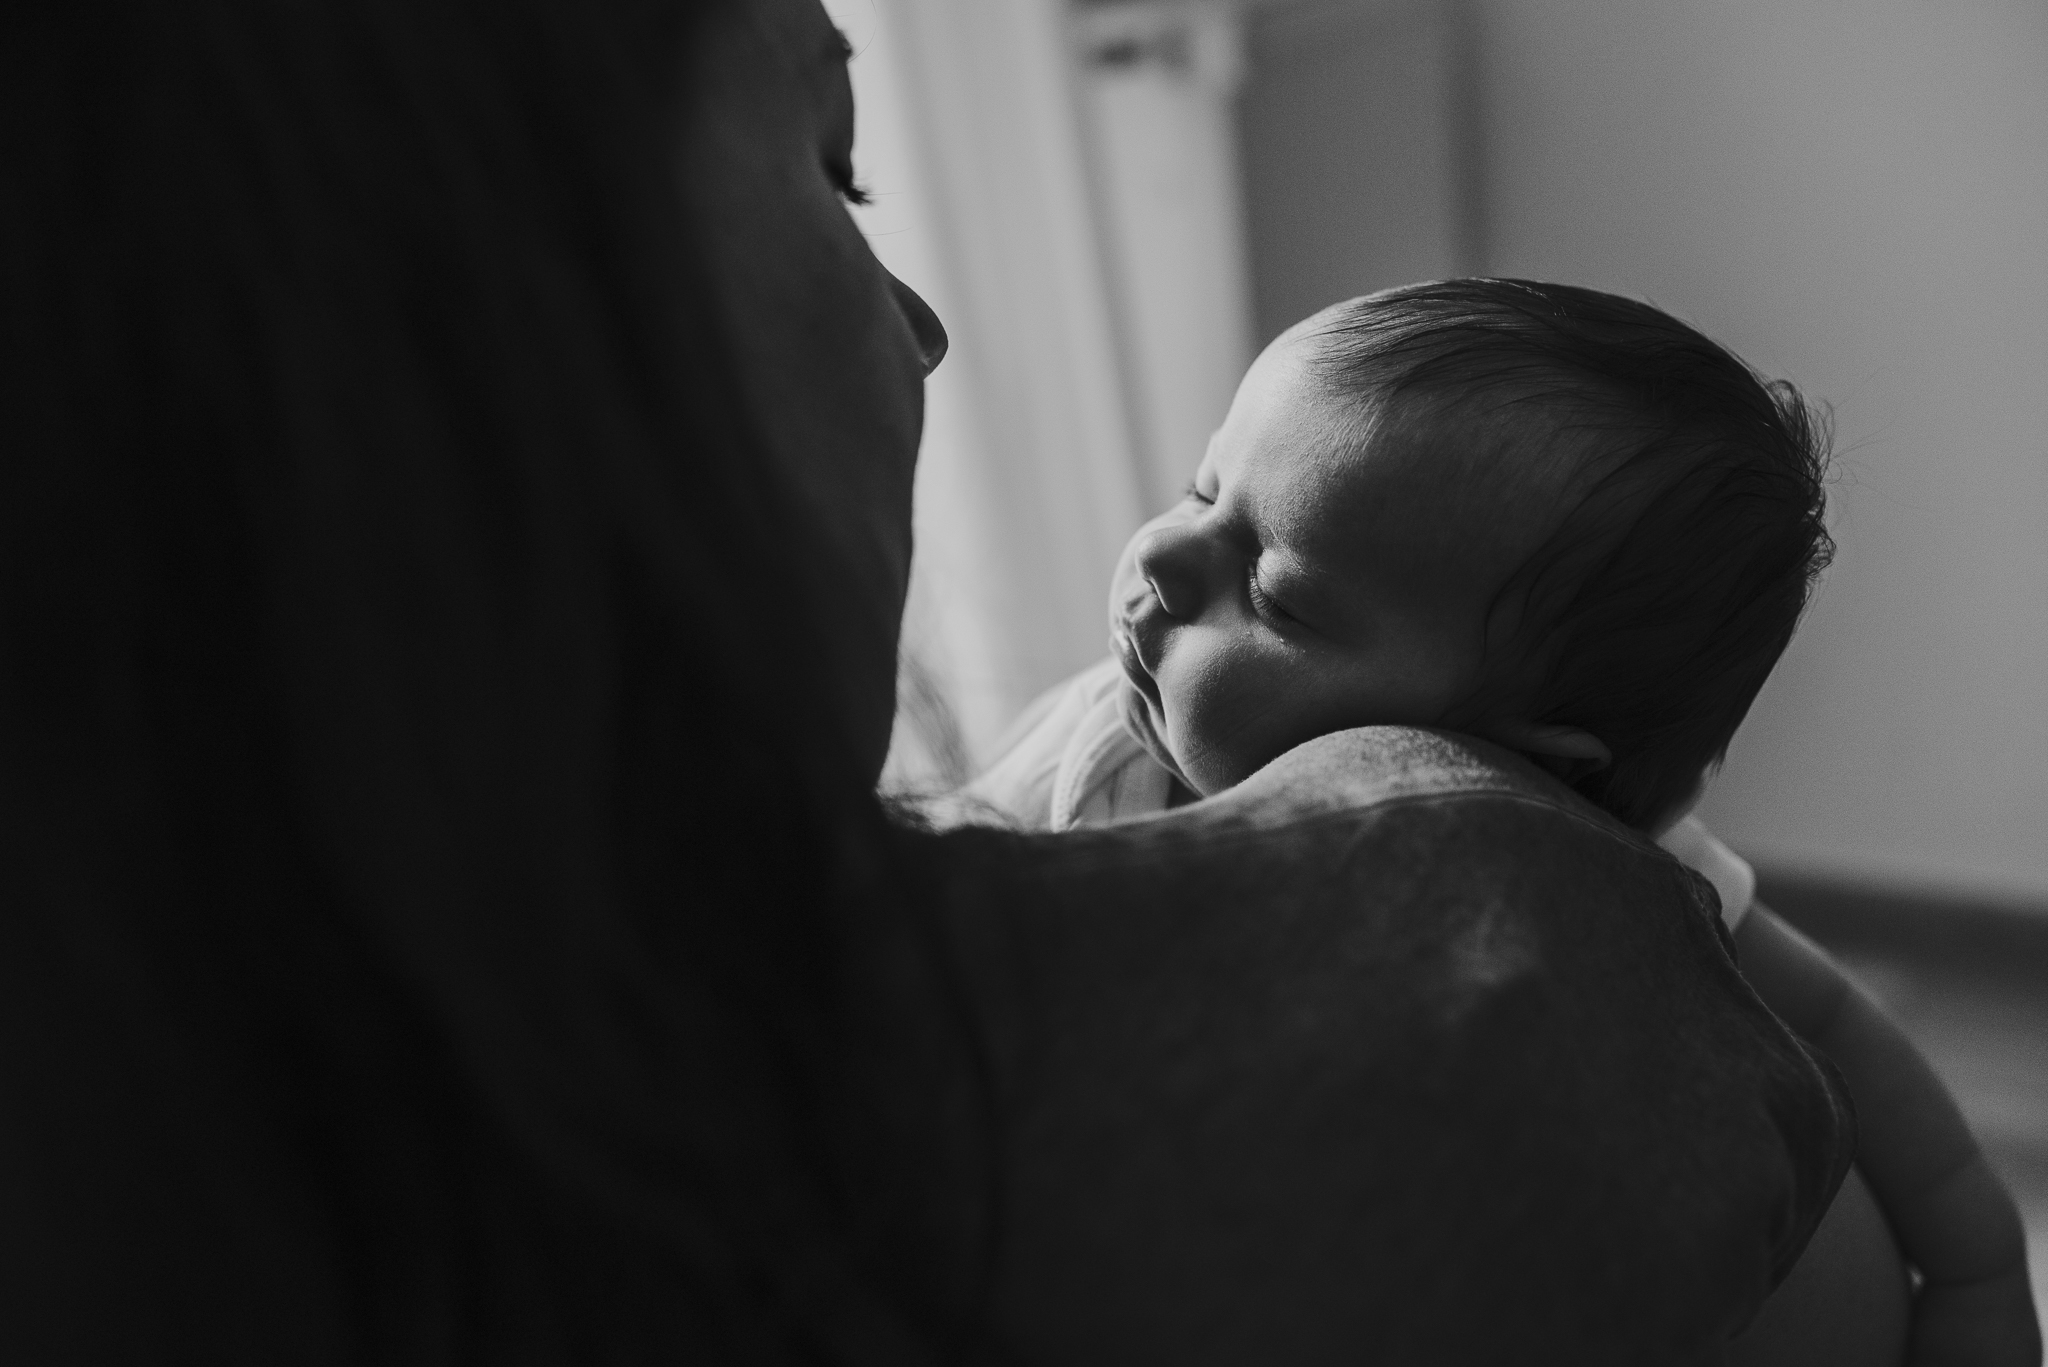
1263	602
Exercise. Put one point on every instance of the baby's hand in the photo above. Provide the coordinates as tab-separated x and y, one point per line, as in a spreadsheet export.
1981	1324
1976	1308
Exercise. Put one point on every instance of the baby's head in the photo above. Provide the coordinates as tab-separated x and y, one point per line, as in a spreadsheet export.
1555	518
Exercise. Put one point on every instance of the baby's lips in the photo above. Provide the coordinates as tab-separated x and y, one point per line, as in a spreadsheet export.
1123	642
1123	636
1132	619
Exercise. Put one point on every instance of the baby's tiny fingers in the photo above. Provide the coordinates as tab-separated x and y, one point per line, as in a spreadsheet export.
1990	1323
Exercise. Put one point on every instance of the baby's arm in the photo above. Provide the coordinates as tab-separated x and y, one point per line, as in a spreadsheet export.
1952	1217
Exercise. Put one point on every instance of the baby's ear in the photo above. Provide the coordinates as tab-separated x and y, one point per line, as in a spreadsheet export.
1566	751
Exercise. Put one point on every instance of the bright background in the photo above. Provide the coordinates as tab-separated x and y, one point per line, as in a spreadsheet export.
1112	205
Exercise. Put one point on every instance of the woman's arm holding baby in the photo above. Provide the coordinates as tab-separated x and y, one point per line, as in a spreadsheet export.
1950	1213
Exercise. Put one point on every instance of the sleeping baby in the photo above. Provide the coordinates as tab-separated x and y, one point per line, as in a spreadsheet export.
1558	520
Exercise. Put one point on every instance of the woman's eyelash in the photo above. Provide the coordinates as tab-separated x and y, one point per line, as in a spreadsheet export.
850	189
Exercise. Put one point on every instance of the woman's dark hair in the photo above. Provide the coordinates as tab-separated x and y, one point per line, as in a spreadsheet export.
1655	610
420	917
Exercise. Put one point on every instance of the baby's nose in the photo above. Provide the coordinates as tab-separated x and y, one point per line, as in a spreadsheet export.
1170	560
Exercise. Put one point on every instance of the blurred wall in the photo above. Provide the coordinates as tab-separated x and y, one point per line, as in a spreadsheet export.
1377	86
1854	196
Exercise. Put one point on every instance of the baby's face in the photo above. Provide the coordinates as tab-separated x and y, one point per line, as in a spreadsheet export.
1305	585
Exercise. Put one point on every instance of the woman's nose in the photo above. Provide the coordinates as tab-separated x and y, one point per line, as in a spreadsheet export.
924	324
1176	561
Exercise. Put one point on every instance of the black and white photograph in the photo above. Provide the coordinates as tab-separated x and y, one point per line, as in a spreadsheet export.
1024	683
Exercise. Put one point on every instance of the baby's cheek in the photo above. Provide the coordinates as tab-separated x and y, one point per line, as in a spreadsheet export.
1232	708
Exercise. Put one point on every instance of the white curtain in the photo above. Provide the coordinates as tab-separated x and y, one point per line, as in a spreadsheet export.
1079	388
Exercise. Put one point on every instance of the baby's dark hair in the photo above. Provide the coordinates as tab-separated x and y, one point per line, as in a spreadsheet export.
1653	613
